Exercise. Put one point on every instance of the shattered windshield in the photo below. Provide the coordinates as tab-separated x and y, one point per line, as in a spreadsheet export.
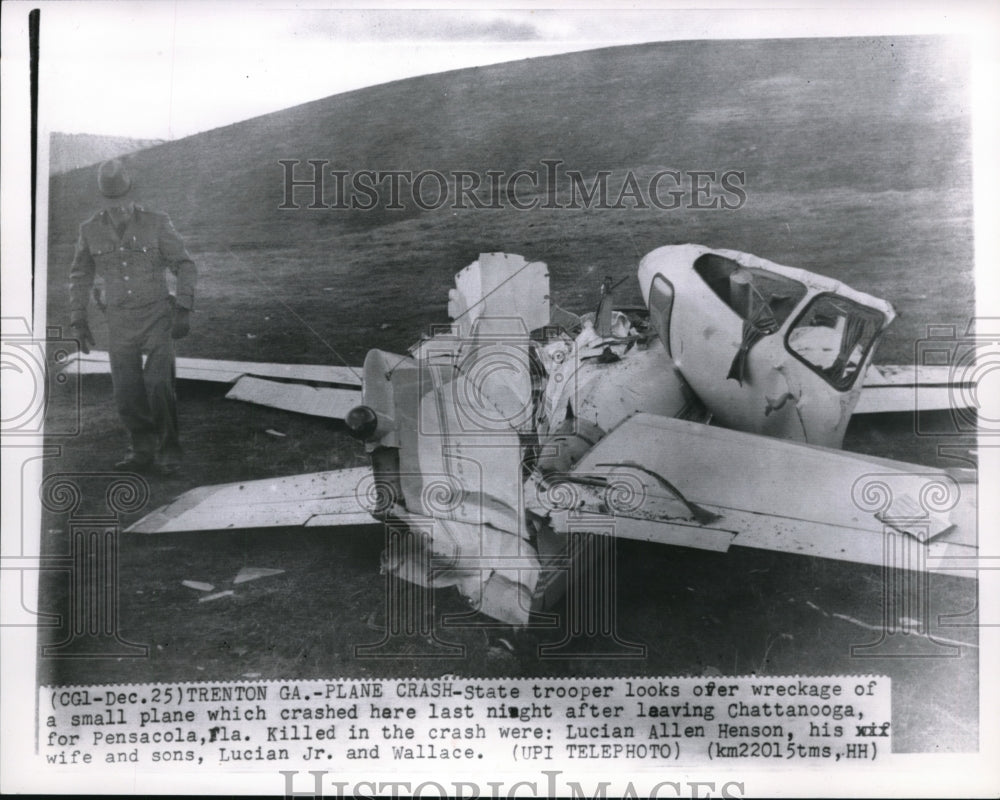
762	298
833	337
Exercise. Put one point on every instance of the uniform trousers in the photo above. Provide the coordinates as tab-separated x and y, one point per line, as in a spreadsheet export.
145	396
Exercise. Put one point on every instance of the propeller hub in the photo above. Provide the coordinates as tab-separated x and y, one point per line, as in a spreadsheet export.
361	422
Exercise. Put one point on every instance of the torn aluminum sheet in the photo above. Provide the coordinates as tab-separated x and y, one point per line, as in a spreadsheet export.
500	287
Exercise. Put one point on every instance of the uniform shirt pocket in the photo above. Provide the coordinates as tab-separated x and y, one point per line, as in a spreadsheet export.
101	248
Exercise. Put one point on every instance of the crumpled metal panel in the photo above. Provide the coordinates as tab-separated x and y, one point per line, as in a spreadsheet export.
500	286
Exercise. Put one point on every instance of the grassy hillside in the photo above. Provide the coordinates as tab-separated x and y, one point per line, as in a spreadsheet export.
856	155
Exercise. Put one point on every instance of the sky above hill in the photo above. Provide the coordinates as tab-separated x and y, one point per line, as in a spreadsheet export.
168	70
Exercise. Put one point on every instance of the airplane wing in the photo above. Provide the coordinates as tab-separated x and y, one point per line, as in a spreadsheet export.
318	401
336	498
223	371
694	485
887	388
314	389
900	388
672	482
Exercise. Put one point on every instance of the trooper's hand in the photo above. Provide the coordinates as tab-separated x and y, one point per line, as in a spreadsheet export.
81	331
182	323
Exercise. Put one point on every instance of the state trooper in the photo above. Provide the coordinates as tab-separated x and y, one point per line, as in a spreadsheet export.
130	248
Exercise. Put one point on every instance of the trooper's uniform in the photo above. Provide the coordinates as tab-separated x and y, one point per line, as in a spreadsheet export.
131	258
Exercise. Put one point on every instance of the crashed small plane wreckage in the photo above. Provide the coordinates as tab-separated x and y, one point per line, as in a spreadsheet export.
711	418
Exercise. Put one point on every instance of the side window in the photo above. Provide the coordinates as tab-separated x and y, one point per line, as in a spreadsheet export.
661	301
833	337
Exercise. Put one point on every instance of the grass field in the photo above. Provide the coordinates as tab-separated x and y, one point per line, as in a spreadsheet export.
857	164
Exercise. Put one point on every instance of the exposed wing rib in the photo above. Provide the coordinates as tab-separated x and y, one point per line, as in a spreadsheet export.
775	495
222	371
900	388
341	497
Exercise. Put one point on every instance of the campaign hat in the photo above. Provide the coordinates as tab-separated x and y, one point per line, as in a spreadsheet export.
113	179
